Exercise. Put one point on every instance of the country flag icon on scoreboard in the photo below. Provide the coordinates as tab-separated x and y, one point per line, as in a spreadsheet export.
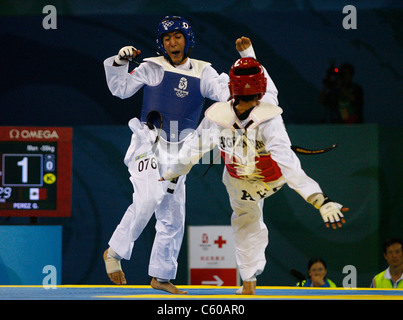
34	194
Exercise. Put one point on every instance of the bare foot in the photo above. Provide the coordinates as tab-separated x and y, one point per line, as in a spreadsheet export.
166	286
113	269
248	288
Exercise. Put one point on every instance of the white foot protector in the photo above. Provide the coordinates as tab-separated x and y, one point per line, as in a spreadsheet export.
112	265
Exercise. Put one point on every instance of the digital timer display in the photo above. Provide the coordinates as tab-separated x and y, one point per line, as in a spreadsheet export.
35	171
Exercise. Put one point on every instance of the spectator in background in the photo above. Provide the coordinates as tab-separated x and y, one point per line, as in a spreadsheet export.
342	97
392	277
317	271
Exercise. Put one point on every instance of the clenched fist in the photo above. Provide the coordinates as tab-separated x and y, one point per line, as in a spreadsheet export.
126	54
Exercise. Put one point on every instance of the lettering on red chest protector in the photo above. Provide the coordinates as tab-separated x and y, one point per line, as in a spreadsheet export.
266	169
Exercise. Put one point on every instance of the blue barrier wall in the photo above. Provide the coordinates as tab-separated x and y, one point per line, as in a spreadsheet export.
354	174
25	253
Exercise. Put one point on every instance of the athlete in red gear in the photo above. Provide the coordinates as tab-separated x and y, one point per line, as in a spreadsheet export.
252	138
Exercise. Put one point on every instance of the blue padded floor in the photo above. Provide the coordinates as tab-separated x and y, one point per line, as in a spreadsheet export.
108	292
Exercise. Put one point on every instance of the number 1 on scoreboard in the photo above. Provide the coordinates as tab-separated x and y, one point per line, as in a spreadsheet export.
24	164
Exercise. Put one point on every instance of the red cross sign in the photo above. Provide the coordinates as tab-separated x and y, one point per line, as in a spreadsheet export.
220	242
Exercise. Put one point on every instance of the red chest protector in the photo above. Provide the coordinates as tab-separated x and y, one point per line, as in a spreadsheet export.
266	168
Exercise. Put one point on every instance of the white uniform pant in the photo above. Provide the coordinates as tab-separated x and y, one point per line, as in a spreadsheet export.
149	196
251	235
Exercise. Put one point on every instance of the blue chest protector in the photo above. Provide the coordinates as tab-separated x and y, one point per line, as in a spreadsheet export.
178	99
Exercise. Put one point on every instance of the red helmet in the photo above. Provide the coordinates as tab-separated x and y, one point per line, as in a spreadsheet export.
246	77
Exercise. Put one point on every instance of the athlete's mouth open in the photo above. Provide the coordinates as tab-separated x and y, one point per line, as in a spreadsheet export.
176	56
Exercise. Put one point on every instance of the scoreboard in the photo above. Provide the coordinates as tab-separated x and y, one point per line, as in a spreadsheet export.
35	171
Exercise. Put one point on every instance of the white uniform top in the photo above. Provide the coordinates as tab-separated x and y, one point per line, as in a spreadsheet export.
123	84
270	131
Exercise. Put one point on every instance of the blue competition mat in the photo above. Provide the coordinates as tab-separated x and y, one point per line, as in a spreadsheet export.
107	292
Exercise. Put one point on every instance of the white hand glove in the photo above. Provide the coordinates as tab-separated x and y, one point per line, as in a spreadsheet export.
125	55
330	211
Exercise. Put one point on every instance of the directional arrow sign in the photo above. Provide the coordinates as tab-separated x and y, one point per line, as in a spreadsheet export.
218	282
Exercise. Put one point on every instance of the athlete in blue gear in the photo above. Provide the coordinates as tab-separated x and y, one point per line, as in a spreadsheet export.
174	85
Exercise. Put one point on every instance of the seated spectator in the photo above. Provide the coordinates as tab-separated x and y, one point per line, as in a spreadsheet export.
317	271
392	277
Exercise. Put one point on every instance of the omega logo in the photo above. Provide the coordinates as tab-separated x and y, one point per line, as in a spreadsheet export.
36	134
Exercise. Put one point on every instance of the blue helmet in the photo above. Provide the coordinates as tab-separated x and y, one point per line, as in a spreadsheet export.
173	23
